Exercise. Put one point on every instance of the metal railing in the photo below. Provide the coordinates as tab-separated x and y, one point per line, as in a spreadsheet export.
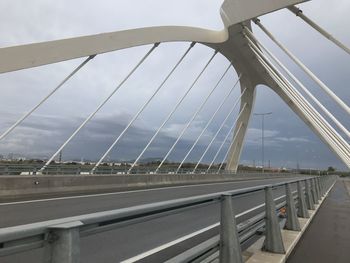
70	169
62	236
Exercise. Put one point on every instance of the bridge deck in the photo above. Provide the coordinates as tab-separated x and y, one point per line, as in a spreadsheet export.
328	237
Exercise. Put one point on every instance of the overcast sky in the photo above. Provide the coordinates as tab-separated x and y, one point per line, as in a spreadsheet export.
288	139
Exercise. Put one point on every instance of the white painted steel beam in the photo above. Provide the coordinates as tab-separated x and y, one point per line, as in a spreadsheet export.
37	54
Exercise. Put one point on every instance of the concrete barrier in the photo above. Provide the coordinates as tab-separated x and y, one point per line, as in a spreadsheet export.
41	185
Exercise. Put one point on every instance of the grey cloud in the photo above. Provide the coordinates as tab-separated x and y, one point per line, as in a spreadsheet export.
40	20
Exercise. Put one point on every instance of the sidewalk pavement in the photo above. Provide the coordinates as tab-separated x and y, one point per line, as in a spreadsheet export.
327	239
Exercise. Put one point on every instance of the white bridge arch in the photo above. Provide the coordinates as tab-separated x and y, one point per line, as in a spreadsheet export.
235	42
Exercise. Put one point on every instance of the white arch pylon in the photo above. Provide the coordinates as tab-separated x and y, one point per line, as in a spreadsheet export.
230	42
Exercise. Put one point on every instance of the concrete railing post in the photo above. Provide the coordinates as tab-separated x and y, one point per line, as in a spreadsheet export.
321	186
273	237
318	194
309	199
64	243
328	183
313	191
302	208
292	222
230	248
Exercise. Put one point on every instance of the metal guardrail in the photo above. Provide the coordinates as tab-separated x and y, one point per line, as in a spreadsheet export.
62	236
70	169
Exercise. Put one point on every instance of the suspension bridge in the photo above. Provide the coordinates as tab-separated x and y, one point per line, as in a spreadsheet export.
71	234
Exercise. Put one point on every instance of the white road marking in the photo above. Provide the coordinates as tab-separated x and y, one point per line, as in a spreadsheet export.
125	192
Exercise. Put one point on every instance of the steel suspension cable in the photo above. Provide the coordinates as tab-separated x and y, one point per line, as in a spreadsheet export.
165	120
193	116
311	23
321	122
322	128
229	148
99	106
340	102
226	137
342	151
295	79
209	122
218	131
19	121
143	107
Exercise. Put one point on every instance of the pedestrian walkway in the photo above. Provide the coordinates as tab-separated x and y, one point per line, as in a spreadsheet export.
327	239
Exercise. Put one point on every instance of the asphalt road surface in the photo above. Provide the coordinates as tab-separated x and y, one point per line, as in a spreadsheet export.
127	242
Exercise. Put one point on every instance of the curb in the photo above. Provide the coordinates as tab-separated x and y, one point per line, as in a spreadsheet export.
290	239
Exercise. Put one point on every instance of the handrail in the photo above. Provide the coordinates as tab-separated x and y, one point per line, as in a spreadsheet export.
27	237
77	169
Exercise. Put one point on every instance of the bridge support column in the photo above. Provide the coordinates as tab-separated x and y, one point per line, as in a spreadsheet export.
242	124
313	120
292	219
309	199
313	191
64	243
230	248
273	236
323	187
319	188
302	209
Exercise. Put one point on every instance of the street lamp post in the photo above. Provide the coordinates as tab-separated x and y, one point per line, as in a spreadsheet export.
262	135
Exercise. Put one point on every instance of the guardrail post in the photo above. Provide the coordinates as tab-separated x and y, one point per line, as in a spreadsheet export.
292	222
321	186
230	248
64	243
324	184
317	189
302	209
309	199
328	182
273	237
313	191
